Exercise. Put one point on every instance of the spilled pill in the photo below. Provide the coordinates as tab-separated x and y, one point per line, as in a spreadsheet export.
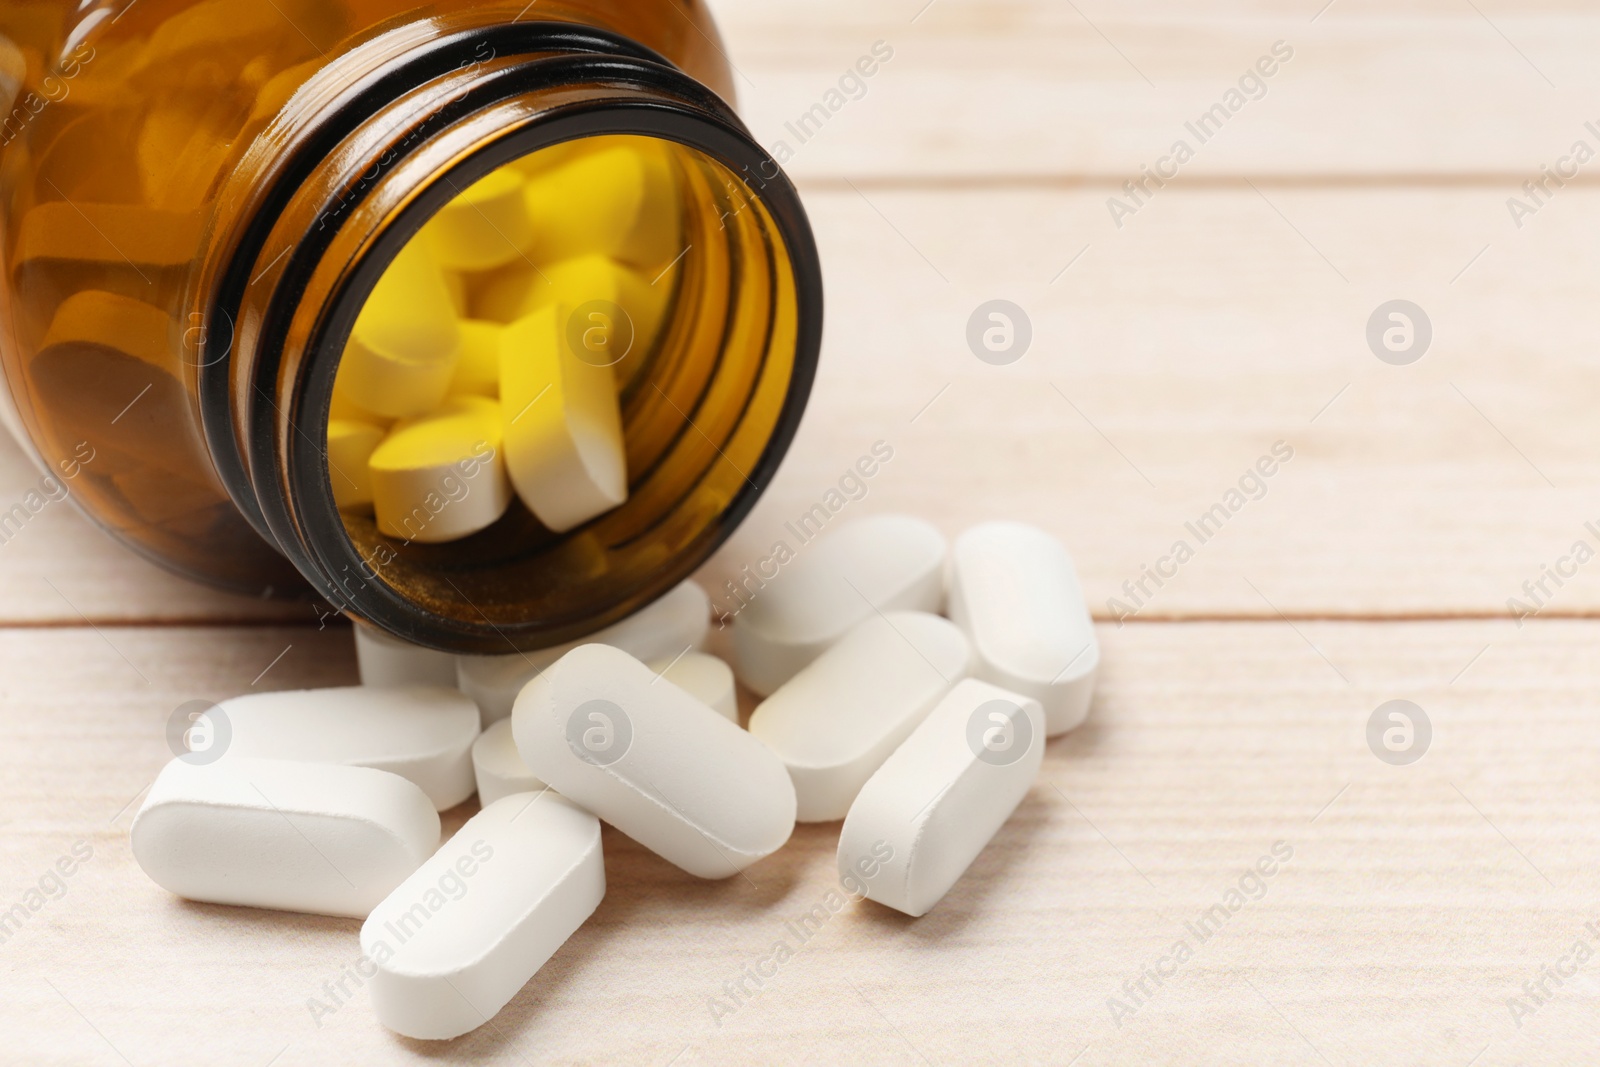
882	563
836	721
498	766
1014	590
456	941
422	733
654	762
501	769
313	837
939	798
674	624
384	659
706	678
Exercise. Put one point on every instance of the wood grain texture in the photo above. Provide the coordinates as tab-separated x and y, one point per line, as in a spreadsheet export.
57	568
1166	360
1175	352
1170	353
1027	89
1416	901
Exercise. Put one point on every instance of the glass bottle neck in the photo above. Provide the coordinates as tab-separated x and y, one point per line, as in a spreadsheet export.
375	149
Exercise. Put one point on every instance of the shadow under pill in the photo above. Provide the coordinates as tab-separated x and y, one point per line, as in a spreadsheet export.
262	921
989	875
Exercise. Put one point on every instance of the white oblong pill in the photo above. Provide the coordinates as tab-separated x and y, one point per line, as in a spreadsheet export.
704	677
654	762
921	820
422	733
675	623
384	659
839	719
882	563
1014	591
836	721
456	941
498	766
565	448
259	833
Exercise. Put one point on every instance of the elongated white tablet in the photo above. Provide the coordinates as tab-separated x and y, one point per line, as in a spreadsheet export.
563	428
501	770
675	623
937	800
499	767
835	722
1014	591
462	935
313	837
384	659
654	762
883	563
422	733
706	678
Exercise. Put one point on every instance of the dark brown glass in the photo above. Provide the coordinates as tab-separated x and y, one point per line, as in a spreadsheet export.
197	198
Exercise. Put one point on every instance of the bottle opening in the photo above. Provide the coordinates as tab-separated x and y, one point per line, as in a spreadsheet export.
558	389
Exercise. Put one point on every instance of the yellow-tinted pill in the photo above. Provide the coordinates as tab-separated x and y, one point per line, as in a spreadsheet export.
456	283
343	407
563	431
184	145
114	321
403	349
656	239
442	476
350	447
478	368
547	159
487	226
109	233
586	284
593	203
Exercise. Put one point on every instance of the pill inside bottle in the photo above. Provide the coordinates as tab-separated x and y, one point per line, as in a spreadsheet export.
482	329
526	384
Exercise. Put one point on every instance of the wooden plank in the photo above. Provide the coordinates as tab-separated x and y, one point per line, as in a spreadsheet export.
1172	356
1165	362
978	88
1416	901
56	567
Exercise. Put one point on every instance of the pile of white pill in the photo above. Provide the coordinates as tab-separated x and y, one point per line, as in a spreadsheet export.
922	732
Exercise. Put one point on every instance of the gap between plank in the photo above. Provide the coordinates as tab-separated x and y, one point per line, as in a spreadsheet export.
1102	180
1168	619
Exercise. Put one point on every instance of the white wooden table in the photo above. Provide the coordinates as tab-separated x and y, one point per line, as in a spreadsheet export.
1228	313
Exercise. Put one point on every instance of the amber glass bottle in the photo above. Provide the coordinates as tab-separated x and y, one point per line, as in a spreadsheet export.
197	199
